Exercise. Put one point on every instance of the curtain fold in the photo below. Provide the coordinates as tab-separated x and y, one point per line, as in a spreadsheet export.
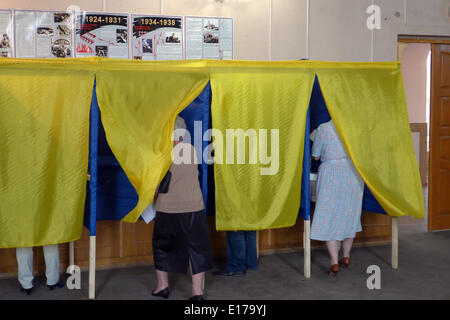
139	103
367	104
44	137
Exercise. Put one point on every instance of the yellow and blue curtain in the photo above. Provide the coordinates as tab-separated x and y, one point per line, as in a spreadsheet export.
111	196
44	143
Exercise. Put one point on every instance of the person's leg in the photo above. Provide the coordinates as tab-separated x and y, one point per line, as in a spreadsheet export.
25	262
162	279
200	253
333	250
163	243
51	255
347	247
235	251
197	284
251	255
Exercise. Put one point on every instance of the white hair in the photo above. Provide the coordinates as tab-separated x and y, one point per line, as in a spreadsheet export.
180	123
179	129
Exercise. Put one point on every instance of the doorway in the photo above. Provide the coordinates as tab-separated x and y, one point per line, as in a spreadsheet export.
426	76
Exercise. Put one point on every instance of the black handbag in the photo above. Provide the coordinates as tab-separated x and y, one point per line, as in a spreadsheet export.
164	185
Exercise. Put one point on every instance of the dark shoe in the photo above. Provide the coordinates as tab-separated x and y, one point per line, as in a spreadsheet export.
230	273
27	291
56	285
345	261
164	293
334	269
200	297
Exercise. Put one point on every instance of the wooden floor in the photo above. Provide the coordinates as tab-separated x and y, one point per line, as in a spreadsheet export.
124	244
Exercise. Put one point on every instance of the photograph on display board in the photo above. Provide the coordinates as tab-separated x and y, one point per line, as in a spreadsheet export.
157	38
5	34
45	31
62	18
210	38
101	51
173	37
102	35
43	34
122	36
61	48
147	45
5	43
211	24
63	30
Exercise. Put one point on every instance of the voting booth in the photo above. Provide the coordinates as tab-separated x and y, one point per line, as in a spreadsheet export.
112	120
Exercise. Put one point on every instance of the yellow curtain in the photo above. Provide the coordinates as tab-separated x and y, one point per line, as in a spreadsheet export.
44	119
44	136
139	102
367	104
259	95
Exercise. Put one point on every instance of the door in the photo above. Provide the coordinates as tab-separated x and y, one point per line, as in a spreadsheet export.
439	183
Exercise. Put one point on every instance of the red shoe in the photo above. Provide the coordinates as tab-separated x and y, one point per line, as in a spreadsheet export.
345	261
334	269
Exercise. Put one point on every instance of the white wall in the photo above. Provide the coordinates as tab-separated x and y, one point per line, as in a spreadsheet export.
414	71
337	28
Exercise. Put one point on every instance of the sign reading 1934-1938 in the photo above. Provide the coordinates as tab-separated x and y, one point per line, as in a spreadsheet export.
157	38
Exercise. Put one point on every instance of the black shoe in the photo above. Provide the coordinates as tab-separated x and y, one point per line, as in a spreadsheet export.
27	291
164	293
199	297
230	273
56	285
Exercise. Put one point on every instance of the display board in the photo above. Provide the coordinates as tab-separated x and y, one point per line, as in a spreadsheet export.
51	34
209	38
157	38
102	35
6	32
43	34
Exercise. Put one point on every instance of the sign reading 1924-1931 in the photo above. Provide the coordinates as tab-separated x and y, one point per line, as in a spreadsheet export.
102	35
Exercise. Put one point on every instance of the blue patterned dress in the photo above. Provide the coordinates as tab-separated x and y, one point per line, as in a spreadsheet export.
339	191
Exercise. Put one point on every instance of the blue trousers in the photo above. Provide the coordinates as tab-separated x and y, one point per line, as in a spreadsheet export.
241	251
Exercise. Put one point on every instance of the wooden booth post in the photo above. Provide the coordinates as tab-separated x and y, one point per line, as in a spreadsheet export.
394	242
307	176
71	253
92	246
307	248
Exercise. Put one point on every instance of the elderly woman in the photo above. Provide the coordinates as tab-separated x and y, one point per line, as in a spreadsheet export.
180	236
337	216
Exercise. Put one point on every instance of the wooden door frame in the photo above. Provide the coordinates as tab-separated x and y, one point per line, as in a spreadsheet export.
423	39
431	40
435	104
